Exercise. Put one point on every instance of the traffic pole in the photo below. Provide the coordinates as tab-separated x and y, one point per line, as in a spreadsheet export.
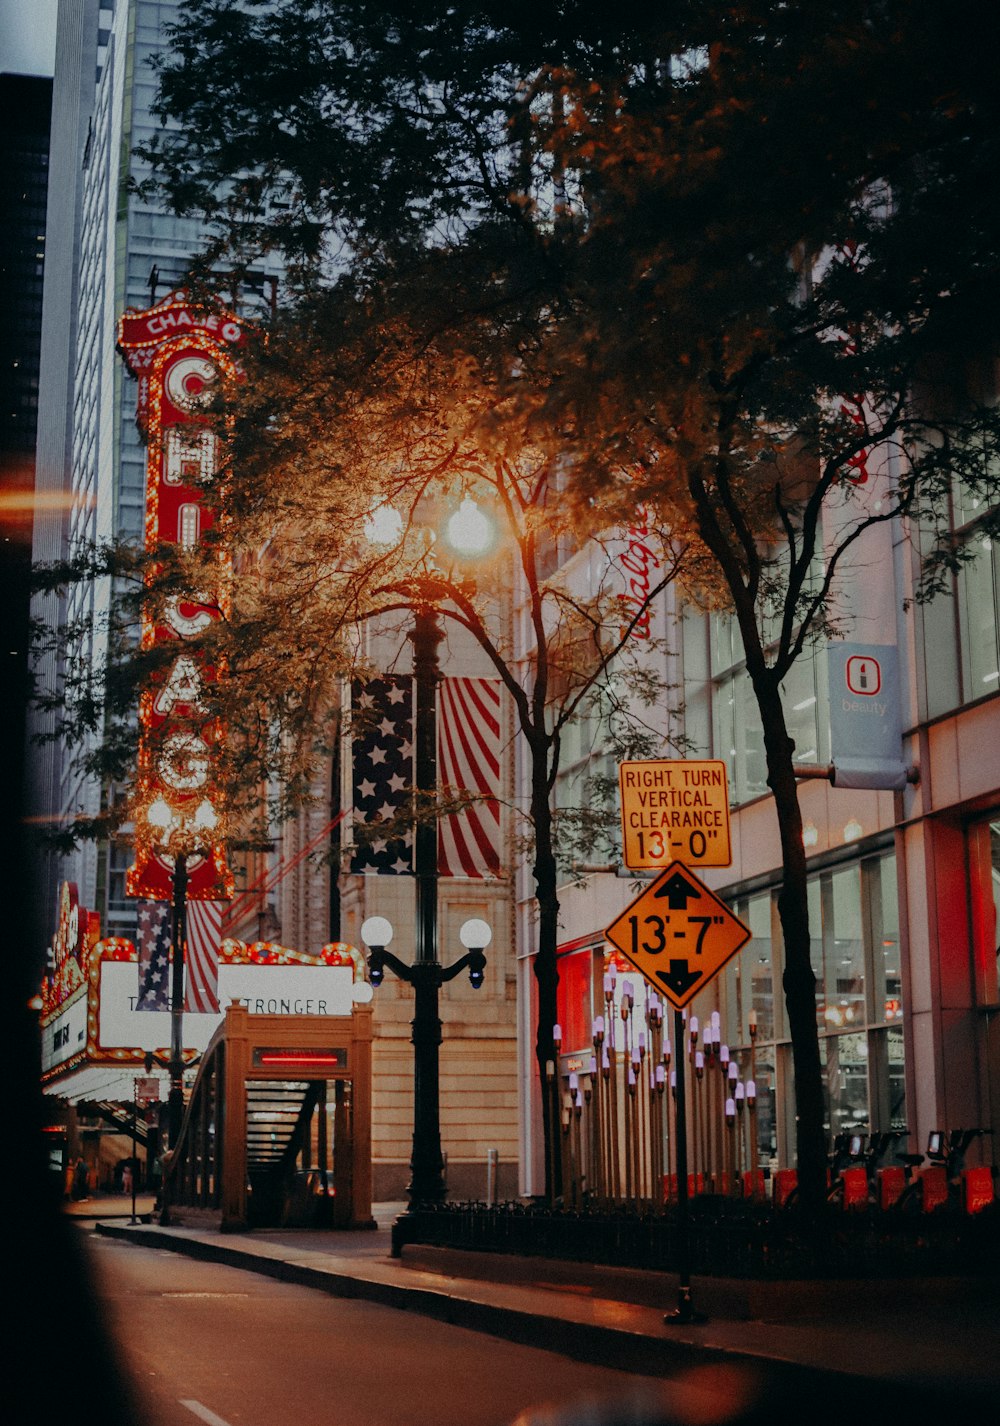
685	1311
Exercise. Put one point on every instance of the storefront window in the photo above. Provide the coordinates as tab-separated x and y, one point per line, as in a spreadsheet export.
894	1111
761	1069
884	911
854	920
575	997
845	1082
840	963
752	976
984	877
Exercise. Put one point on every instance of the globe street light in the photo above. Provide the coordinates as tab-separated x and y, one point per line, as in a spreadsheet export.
426	975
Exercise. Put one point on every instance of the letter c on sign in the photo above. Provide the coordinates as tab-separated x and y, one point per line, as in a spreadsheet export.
187	624
188	382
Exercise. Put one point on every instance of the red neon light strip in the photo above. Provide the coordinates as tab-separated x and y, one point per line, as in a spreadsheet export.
298	1060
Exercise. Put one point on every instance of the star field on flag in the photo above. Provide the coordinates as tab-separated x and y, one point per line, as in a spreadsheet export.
154	956
382	737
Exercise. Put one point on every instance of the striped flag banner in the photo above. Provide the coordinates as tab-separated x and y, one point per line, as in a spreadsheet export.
468	757
204	933
469	762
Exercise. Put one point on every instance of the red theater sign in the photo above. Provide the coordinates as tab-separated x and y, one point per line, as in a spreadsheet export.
180	354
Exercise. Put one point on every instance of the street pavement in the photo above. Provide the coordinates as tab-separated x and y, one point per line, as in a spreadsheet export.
935	1339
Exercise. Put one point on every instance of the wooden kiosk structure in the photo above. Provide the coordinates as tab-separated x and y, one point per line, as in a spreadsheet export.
277	1130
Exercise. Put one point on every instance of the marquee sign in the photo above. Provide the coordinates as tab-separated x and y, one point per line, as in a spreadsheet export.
180	353
101	1028
77	932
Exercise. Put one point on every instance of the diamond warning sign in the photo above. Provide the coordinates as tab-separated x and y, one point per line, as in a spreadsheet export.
678	934
674	807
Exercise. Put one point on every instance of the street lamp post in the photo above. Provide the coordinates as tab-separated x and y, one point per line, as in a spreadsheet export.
178	937
178	833
426	976
468	533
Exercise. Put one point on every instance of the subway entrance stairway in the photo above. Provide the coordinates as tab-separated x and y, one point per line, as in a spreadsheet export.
277	1128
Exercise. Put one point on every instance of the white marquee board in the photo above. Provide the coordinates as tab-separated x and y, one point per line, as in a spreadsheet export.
264	989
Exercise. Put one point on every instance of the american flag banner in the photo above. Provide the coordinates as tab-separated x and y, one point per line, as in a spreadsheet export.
468	752
468	737
382	764
204	932
154	956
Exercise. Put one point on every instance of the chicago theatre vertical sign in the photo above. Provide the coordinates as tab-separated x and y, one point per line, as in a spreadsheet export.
180	353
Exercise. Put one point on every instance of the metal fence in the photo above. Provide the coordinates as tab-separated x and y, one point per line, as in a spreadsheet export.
727	1239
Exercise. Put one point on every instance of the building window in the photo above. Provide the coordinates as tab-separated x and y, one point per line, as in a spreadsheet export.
951	681
738	735
854	920
979	623
579	970
984	885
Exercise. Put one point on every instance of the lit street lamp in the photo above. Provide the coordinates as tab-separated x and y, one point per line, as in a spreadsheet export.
468	533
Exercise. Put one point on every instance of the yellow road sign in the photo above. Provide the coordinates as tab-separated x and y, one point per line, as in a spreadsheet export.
678	934
674	808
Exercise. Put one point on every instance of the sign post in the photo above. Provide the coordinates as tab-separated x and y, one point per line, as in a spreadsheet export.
146	1092
135	1158
679	935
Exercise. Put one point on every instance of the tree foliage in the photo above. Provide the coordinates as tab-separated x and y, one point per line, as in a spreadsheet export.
729	263
353	410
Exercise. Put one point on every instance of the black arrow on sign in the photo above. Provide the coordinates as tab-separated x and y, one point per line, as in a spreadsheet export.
678	891
679	978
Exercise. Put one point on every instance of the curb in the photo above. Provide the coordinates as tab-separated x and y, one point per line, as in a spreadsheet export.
831	1392
587	1342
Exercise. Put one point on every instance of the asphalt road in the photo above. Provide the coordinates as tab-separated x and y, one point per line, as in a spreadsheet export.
212	1344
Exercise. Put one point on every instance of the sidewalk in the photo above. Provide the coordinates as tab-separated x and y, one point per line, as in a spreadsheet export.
927	1338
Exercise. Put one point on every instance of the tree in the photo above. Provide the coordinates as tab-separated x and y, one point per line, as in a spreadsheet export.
349	414
731	251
